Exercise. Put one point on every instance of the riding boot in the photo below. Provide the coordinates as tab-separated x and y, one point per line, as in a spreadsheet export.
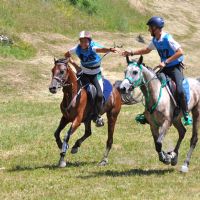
97	117
186	120
140	118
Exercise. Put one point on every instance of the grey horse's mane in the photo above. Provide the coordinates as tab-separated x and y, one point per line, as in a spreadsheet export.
149	68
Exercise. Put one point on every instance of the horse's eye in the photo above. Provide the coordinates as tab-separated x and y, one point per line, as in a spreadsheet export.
135	72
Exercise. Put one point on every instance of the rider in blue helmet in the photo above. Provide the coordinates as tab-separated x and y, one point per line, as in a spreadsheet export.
171	55
156	22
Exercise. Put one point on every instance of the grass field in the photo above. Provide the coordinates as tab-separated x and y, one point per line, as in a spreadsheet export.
29	114
61	16
29	156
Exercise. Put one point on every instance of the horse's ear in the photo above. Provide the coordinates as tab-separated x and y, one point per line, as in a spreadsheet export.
140	61
54	60
127	60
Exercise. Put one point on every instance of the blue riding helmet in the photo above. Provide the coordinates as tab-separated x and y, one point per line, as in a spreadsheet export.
156	21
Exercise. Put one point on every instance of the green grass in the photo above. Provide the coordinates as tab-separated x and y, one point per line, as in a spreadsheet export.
29	116
29	155
62	17
19	50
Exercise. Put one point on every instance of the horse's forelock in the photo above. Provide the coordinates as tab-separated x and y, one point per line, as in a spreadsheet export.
61	61
134	62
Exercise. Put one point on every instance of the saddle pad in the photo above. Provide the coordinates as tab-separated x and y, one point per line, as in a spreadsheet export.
107	89
186	88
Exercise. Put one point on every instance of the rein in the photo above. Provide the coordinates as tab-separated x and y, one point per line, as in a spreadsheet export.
63	83
141	82
76	95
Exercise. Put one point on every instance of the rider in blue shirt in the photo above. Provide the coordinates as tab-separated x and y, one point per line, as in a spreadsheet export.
87	51
171	55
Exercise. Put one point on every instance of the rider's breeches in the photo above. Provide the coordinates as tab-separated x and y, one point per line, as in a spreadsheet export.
175	73
98	83
99	98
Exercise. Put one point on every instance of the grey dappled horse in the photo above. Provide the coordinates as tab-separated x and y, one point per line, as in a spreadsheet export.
159	109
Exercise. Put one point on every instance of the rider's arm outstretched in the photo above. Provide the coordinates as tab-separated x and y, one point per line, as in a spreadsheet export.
105	50
137	52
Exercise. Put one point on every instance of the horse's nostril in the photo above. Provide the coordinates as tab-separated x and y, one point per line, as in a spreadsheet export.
52	89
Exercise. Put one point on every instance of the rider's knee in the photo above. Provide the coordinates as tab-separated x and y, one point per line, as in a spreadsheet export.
180	91
99	95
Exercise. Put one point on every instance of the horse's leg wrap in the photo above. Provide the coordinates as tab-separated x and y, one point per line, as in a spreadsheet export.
164	157
65	145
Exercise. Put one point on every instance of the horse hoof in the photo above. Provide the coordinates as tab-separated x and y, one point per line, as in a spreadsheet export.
164	157
74	150
184	169
167	162
174	161
174	158
104	162
62	164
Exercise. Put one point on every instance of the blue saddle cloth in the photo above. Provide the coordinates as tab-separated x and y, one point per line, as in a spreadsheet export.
186	88
107	89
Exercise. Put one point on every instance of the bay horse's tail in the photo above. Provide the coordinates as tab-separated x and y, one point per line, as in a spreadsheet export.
132	97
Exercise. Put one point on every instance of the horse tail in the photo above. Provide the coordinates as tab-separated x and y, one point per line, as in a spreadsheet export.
132	97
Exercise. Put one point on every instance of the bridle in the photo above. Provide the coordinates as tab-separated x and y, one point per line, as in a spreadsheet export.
64	78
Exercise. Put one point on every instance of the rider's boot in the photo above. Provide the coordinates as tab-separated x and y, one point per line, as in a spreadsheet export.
99	121
187	119
97	117
140	118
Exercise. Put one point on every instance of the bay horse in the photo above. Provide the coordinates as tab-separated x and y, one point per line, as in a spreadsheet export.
160	107
76	108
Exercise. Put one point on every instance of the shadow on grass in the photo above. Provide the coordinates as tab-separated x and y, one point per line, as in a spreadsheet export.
132	172
49	167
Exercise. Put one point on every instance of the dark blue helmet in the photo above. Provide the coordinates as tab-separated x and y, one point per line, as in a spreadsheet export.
156	21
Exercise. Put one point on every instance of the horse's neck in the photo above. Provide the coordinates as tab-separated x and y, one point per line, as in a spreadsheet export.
152	87
73	81
70	92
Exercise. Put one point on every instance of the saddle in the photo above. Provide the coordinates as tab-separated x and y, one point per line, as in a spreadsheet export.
92	92
170	83
172	87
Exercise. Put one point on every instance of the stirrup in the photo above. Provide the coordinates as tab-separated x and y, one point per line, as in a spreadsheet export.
140	118
99	121
187	120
